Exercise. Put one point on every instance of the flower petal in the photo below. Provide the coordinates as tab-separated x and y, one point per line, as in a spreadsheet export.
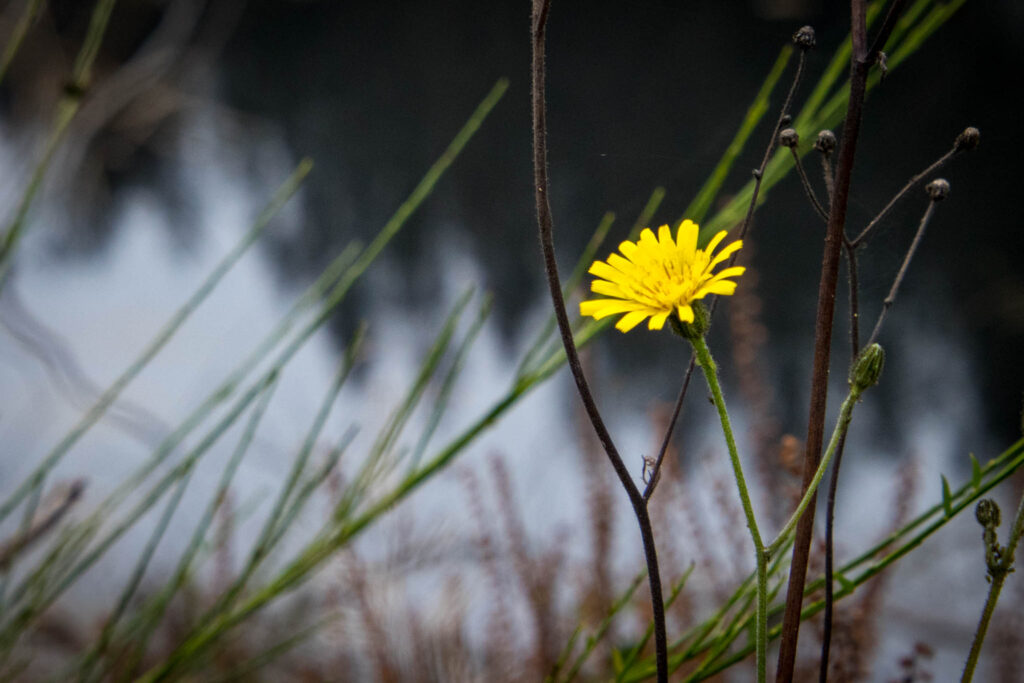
658	320
726	252
715	242
602	308
608	289
606	272
686	240
631	320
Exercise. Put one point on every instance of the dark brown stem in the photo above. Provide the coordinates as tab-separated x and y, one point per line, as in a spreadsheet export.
833	484
826	172
544	222
891	298
808	189
759	172
852	268
652	482
859	66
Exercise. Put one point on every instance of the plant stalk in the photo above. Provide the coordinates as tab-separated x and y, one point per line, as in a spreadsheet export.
707	364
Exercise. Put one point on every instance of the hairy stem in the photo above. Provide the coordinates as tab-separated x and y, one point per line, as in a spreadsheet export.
707	364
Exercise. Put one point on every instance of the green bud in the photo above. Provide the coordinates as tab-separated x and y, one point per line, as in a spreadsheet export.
987	513
695	329
867	368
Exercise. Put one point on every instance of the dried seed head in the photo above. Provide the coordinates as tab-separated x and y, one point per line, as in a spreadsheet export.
804	38
785	121
937	189
967	140
987	513
867	368
788	137
826	142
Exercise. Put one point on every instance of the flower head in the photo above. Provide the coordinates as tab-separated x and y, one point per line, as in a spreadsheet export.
655	277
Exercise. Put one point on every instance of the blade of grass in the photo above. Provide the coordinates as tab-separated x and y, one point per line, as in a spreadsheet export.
702	203
66	109
265	541
28	15
281	196
376	460
140	630
443	395
41	589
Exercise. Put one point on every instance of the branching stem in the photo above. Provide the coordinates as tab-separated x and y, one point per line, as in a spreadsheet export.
998	578
860	63
545	228
812	197
894	290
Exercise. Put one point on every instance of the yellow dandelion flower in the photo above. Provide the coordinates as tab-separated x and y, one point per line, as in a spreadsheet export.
655	277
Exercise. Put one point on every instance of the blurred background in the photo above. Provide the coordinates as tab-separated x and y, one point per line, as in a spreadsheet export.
200	108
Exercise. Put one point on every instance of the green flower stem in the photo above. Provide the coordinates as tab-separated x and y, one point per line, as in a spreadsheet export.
707	364
845	414
998	577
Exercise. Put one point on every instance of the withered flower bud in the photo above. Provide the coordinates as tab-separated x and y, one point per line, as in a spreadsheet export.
789	137
826	142
967	140
937	189
804	38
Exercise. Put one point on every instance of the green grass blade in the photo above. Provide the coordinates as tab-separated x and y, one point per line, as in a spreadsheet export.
28	15
140	630
281	196
448	383
66	110
264	543
702	203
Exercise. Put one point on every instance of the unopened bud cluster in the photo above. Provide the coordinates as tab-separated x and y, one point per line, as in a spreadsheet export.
867	369
987	513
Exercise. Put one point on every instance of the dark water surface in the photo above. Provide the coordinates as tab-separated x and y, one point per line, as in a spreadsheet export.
645	94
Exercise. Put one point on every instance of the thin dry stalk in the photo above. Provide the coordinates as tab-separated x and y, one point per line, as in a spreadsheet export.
537	579
499	642
380	651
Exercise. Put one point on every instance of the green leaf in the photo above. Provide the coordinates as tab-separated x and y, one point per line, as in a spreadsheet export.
844	582
617	660
975	472
947	498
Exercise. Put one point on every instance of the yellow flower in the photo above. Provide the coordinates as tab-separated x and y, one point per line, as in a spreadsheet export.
658	276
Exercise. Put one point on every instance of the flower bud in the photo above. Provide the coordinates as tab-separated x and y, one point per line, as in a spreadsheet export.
867	368
987	513
788	137
967	140
804	38
937	189
826	142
